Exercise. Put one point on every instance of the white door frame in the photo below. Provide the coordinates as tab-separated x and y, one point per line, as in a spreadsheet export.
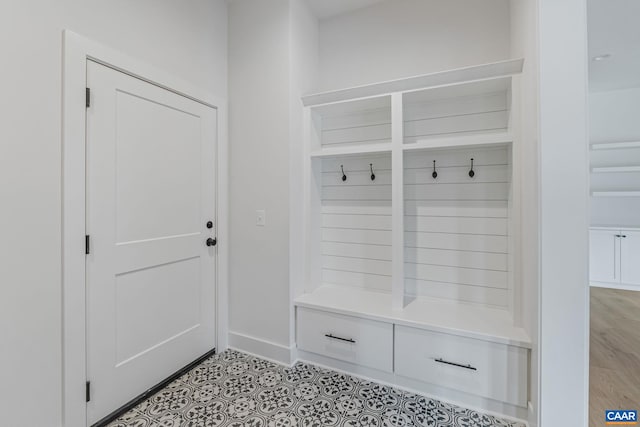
76	51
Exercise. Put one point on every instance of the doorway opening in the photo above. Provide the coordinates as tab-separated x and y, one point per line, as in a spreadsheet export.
614	139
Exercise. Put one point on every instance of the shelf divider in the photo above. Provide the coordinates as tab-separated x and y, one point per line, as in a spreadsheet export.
397	202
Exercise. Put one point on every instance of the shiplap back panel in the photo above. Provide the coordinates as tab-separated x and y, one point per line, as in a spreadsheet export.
356	222
479	113
355	123
456	227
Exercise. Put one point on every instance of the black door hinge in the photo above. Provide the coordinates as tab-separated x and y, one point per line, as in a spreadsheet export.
88	391
88	98
87	248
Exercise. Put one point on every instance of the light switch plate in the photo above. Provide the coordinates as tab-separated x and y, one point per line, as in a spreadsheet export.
261	218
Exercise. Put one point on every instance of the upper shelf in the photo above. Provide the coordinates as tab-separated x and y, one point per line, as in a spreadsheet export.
614	193
615	169
615	145
474	140
478	140
443	78
352	150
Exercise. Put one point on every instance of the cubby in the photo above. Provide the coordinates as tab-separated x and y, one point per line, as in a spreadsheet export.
351	127
615	169
463	114
412	219
456	225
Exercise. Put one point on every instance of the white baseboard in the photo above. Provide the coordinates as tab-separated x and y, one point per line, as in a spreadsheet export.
486	406
620	286
262	348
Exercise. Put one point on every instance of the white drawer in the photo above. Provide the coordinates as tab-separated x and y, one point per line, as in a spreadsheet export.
360	341
486	369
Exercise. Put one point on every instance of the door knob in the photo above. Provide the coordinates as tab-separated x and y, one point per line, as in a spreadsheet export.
211	242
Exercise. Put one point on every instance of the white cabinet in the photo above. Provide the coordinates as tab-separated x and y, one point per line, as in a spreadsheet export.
487	369
614	256
347	338
630	257
493	370
604	249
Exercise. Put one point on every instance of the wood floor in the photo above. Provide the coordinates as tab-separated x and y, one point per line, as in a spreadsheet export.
614	353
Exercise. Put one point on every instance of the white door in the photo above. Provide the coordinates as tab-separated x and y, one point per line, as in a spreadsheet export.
630	257
604	249
150	275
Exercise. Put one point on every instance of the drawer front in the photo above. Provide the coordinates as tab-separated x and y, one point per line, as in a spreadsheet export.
486	369
351	339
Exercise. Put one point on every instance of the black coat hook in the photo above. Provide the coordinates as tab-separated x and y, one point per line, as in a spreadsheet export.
373	175
344	177
434	174
471	172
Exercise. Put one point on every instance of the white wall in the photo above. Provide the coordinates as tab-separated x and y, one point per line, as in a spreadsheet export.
259	66
303	79
188	41
614	118
401	38
614	115
273	60
524	43
564	296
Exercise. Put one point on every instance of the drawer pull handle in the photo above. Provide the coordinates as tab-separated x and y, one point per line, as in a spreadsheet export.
456	364
339	338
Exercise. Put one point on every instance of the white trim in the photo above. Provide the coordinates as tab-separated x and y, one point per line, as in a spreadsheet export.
261	348
516	191
450	396
76	51
563	317
621	286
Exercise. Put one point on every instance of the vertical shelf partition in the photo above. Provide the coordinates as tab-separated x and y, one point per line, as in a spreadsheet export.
397	201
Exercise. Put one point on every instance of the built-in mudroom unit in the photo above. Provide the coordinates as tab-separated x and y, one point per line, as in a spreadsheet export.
412	214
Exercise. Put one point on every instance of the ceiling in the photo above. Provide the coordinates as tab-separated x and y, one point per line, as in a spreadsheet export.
324	9
614	29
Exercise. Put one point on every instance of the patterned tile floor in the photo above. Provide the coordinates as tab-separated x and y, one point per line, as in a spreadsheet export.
235	389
